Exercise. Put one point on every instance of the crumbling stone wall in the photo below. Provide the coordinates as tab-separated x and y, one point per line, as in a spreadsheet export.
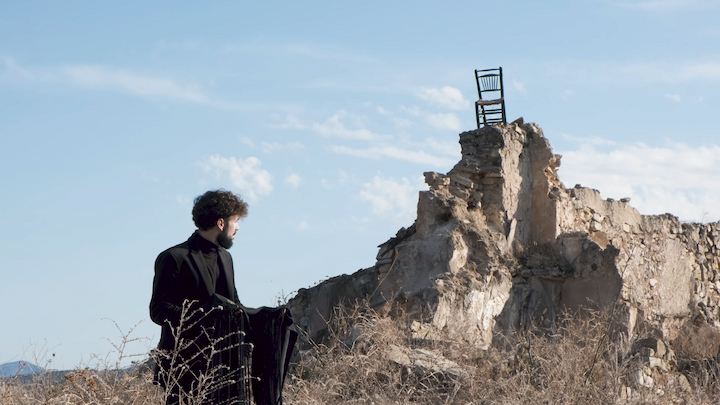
499	242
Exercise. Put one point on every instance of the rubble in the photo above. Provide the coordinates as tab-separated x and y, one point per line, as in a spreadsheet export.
499	243
424	362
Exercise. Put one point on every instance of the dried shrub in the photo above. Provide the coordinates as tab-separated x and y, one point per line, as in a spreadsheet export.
584	361
697	342
587	360
109	384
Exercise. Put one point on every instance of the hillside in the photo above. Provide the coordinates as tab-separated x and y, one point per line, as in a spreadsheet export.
18	368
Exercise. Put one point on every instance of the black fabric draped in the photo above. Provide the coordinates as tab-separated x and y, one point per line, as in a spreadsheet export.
249	348
274	340
266	335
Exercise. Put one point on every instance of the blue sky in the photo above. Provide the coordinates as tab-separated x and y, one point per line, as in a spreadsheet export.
323	115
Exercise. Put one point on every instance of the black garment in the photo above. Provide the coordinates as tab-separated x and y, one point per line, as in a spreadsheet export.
274	338
184	272
210	258
268	341
181	274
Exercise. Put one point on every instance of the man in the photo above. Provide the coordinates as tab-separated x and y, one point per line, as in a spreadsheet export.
195	301
191	279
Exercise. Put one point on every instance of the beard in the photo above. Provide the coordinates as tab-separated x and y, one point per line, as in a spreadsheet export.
225	240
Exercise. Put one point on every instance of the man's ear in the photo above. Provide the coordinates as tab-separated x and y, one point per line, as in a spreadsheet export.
221	224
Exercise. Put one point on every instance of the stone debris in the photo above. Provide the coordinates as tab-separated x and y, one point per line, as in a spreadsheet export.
423	362
499	244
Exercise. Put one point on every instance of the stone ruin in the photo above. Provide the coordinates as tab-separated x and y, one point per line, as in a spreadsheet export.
500	243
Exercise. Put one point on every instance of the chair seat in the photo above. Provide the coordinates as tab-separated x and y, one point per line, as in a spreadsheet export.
490	102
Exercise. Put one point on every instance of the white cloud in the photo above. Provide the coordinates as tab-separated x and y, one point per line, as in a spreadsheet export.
303	225
519	86
446	96
308	50
394	152
448	121
291	122
150	177
451	148
328	53
125	81
673	178
587	141
674	97
247	141
184	201
12	68
244	174
444	121
344	177
393	199
707	70
293	180
335	127
414	111
144	85
271	147
668	5
401	122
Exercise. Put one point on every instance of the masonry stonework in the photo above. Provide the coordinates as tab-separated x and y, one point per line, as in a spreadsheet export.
500	243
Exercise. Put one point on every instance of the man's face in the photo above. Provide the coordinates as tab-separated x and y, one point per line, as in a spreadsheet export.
227	234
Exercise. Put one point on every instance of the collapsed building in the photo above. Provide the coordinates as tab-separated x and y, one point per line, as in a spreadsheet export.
500	243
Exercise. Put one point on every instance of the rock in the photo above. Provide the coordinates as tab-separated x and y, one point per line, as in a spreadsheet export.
499	243
435	180
683	383
643	378
464	181
423	362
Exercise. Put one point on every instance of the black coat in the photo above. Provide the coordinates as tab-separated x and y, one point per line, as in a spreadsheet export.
181	274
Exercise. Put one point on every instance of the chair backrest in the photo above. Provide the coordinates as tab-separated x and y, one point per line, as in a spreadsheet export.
489	80
490	109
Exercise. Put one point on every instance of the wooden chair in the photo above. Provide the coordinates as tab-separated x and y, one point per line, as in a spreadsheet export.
490	109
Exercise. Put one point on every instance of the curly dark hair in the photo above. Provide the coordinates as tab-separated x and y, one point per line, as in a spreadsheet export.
217	204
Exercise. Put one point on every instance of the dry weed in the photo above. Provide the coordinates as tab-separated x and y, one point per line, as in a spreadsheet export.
108	384
583	362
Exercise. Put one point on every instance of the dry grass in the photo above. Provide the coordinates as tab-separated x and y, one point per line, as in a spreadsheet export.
578	364
82	387
107	383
